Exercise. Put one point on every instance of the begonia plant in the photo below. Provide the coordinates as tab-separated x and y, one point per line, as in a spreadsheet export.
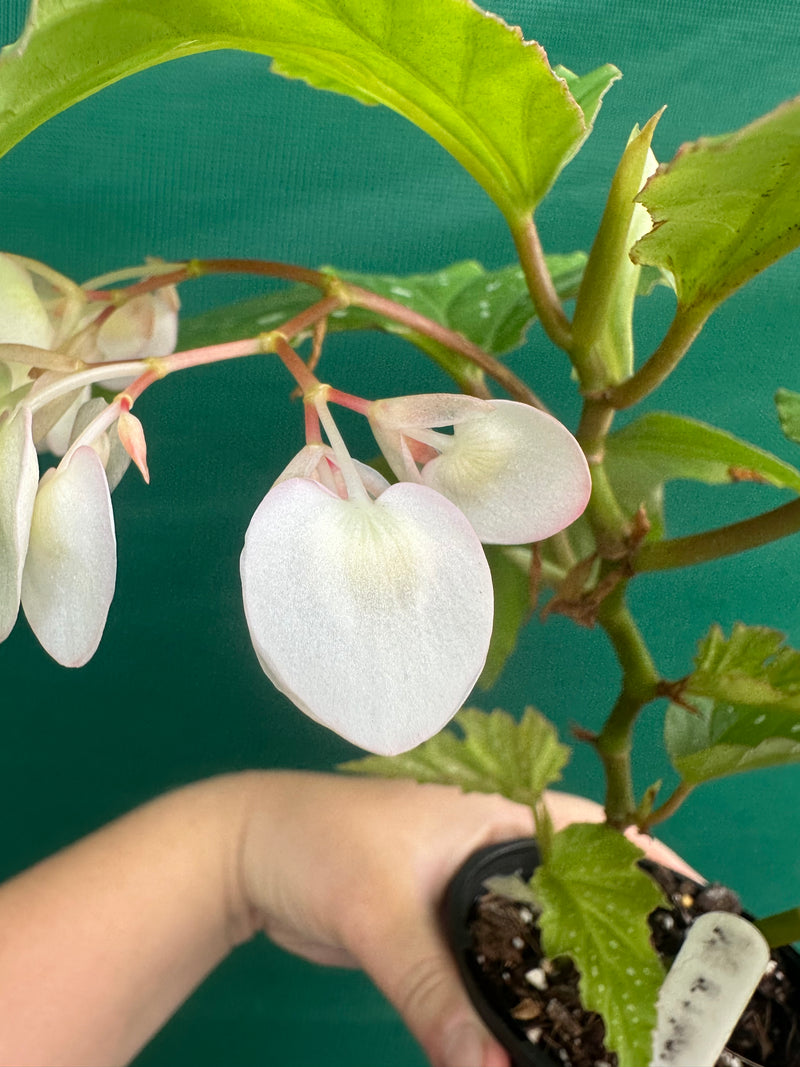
378	590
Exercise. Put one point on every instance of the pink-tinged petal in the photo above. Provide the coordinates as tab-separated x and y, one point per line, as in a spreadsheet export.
424	410
319	462
19	476
373	617
516	473
70	571
142	328
395	419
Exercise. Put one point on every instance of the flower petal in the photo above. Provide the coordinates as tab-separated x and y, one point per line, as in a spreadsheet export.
319	462
70	572
19	476
424	410
516	473
23	318
144	327
373	617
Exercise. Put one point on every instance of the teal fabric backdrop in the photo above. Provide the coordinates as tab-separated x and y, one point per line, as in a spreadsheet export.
212	155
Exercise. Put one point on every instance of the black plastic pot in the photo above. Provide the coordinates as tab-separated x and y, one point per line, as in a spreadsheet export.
519	856
509	857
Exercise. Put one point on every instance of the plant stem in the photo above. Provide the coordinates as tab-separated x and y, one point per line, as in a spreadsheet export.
381	305
725	541
540	285
668	808
265	267
639	686
341	294
684	328
782	928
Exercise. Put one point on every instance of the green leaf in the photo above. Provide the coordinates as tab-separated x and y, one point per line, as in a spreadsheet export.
720	739
726	207
495	754
463	76
752	666
491	308
788	405
746	692
595	902
512	607
660	447
589	89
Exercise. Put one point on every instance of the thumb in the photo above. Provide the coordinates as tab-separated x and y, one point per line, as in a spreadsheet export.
418	975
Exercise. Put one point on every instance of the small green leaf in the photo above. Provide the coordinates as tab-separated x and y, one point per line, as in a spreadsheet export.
788	405
746	692
725	208
464	76
720	739
589	89
660	447
753	666
512	608
494	755
595	902
491	308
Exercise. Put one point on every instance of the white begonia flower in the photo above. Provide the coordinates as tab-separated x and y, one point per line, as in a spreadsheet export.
516	472
372	616
19	477
70	570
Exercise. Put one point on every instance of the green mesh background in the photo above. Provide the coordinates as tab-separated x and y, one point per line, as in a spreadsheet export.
212	155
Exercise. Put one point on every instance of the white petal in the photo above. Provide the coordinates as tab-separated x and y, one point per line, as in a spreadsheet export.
319	462
19	476
394	419
426	410
23	318
69	576
144	327
373	617
516	473
61	434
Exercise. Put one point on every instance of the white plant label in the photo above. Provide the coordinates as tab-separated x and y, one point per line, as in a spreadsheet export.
707	989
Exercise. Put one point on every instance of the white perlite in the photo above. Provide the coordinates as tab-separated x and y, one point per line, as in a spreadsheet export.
707	989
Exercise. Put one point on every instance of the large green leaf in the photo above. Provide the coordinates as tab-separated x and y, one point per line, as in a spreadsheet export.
490	308
660	447
462	75
726	207
595	902
495	754
745	692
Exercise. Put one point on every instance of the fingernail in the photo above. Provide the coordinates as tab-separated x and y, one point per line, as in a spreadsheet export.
465	1047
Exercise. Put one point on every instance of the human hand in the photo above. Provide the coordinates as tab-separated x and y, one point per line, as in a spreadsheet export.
363	866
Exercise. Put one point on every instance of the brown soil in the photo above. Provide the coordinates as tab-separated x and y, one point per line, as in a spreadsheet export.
541	995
